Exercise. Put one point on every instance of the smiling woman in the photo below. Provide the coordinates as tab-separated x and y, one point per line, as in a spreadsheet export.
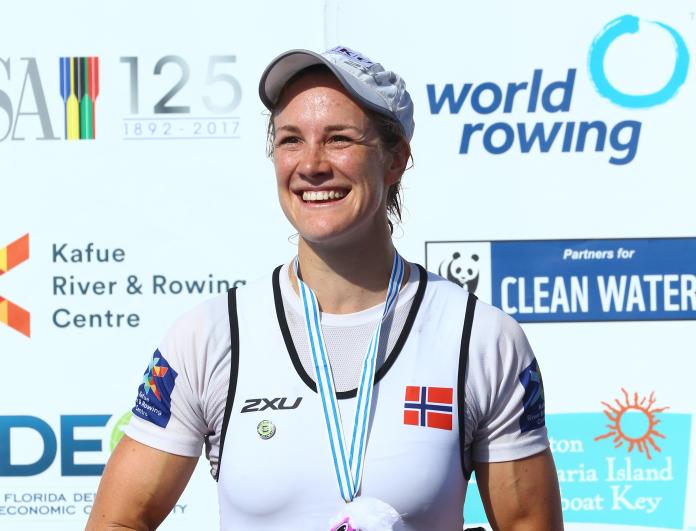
350	389
326	145
389	133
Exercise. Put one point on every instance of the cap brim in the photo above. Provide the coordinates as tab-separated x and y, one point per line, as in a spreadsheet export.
286	65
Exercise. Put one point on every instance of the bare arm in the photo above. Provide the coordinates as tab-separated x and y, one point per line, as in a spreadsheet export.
521	495
139	487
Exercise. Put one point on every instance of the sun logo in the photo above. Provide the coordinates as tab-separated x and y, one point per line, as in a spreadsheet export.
633	422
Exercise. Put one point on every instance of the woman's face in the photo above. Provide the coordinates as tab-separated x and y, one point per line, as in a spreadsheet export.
332	172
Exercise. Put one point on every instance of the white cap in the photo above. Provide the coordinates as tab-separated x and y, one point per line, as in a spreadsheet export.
368	82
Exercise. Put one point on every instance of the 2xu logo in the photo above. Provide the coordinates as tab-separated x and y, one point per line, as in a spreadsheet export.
252	404
12	315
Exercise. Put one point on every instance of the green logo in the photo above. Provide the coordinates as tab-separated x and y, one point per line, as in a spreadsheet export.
117	432
266	429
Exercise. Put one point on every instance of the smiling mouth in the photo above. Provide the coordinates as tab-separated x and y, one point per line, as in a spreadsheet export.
323	196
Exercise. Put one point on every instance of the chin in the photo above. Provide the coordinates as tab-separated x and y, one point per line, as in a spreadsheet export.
339	235
327	237
324	228
331	226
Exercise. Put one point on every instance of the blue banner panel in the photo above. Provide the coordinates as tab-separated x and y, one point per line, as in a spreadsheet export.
595	280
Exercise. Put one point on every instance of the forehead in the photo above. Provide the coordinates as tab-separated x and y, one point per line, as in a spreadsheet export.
317	94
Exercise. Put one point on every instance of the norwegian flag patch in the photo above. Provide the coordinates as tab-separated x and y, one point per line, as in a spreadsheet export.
428	406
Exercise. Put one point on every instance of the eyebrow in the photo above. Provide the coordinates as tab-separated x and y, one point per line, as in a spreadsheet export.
341	127
328	128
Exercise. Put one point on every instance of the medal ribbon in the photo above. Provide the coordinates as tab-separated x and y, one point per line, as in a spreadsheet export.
348	465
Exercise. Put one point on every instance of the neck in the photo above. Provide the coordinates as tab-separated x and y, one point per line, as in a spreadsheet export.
346	280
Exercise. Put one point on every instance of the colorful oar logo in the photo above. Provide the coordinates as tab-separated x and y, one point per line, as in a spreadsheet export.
12	315
79	88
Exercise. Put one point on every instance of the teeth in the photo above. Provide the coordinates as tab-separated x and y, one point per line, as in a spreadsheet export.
323	195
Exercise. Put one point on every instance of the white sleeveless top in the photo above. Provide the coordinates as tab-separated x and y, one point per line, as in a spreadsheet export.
417	460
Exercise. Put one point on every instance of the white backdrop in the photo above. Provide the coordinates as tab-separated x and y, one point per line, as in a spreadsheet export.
188	196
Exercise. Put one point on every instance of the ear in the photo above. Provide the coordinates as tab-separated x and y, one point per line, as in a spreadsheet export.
397	159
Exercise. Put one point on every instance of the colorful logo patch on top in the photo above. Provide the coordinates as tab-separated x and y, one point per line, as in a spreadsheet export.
533	400
428	406
155	393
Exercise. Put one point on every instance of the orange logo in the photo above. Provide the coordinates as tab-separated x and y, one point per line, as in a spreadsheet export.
12	315
634	422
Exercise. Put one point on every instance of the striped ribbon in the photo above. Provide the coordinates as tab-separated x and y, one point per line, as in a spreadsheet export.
348	463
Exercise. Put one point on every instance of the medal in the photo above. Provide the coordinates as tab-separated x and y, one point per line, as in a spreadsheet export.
348	461
367	514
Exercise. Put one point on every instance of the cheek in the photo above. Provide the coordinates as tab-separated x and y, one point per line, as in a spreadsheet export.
370	169
282	167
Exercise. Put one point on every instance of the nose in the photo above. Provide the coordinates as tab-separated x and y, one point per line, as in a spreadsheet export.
314	163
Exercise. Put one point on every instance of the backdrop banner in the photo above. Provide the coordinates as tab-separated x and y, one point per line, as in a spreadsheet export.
553	176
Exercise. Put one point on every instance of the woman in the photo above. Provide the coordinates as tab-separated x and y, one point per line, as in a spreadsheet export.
351	389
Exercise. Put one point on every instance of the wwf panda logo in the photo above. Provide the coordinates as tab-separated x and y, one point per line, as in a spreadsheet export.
463	271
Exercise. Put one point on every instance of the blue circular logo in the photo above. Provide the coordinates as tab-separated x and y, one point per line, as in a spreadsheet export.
598	50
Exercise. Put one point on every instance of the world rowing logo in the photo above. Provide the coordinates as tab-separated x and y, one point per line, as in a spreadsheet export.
626	25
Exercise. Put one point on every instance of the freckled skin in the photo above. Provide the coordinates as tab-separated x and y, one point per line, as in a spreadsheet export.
325	141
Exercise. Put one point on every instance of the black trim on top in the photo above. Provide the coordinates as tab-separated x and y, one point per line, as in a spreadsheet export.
234	369
391	358
280	314
461	377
